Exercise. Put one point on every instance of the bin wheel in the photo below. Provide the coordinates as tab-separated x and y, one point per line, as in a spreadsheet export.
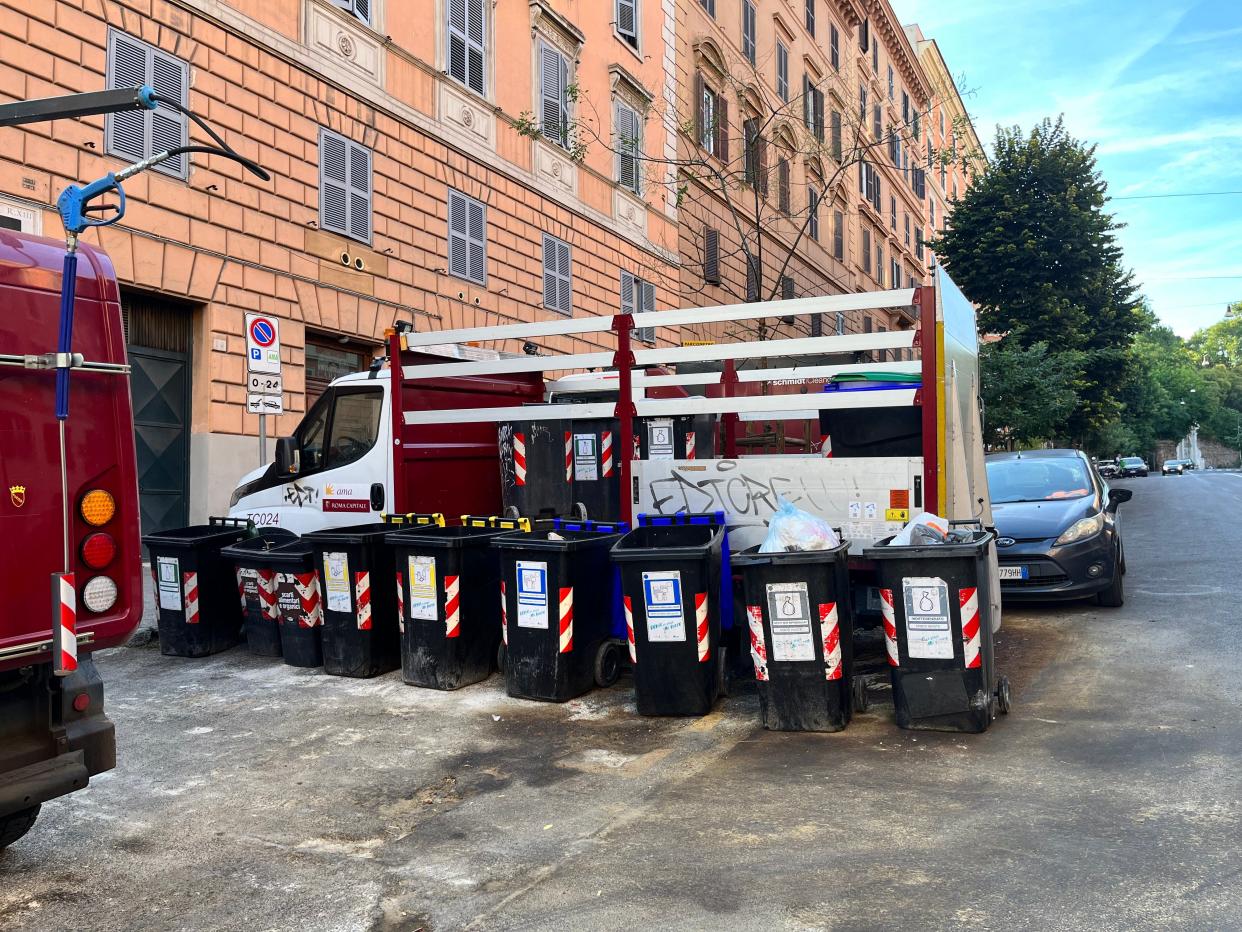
722	672
607	664
512	512
859	689
500	657
1003	696
579	512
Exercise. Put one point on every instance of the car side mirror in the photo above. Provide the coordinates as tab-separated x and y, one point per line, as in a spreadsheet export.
1117	496
288	457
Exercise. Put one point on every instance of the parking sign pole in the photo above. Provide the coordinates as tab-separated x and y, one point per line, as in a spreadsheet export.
262	439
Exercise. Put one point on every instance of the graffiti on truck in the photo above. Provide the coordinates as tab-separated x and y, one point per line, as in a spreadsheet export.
727	485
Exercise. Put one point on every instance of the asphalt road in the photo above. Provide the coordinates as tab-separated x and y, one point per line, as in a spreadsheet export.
250	795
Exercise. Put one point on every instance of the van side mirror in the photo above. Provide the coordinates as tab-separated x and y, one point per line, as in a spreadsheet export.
1117	496
288	457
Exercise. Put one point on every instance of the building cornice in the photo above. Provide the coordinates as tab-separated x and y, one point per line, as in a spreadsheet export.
883	18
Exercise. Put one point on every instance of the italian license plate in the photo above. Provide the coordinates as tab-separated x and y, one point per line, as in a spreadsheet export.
1015	572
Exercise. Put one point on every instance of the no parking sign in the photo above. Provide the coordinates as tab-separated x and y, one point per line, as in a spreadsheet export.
262	343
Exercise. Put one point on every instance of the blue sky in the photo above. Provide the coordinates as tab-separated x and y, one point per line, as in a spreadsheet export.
1157	85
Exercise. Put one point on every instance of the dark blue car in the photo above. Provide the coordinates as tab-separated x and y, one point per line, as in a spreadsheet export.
1058	533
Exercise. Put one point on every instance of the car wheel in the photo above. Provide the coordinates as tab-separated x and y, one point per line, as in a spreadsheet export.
1114	596
17	824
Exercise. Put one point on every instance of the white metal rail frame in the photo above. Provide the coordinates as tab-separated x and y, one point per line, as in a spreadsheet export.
618	368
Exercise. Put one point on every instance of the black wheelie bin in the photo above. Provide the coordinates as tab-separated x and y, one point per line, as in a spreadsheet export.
935	601
299	605
256	588
196	588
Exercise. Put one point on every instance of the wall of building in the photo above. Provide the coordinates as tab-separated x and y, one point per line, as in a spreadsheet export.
269	75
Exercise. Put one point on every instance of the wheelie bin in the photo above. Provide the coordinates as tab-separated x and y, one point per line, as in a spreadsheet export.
557	596
196	588
671	577
934	600
256	588
299	606
801	636
448	580
356	571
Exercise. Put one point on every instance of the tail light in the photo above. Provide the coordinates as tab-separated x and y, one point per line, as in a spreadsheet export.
99	594
98	550
97	507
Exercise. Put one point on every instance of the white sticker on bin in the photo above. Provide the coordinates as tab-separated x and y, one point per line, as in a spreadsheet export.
586	457
169	583
423	589
789	614
929	631
662	599
336	582
532	594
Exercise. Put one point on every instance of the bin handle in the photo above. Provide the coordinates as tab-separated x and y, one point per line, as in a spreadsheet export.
230	522
410	517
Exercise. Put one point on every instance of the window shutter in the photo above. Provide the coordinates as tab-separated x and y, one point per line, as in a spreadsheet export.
628	146
866	250
645	292
722	128
699	116
333	182
838	234
459	236
806	101
627	19
752	282
478	241
557	277
169	78
782	71
566	284
711	256
127	67
817	325
467	42
362	10
627	293
782	185
457	43
836	135
787	288
761	145
810	16
864	35
750	151
834	37
552	82
748	30
840	323
818	114
359	192
812	206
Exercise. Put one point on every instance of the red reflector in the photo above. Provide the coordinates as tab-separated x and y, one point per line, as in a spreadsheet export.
81	702
98	550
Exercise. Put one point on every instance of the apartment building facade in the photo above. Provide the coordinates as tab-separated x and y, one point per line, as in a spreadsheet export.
451	162
807	161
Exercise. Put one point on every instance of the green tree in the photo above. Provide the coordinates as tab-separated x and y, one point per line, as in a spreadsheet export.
1028	391
1221	343
1031	244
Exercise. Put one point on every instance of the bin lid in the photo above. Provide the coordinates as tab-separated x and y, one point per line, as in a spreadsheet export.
882	551
196	535
752	557
545	540
359	534
294	553
265	540
431	537
669	542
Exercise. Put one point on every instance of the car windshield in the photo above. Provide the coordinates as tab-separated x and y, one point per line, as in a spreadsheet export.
1172	462
1131	461
1037	479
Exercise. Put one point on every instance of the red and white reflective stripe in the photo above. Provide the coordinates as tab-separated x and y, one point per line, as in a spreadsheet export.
700	617
969	599
307	585
452	607
567	620
267	593
362	593
241	587
629	629
519	458
825	445
569	456
638	448
65	635
189	588
605	453
758	647
890	627
504	615
690	445
400	601
830	632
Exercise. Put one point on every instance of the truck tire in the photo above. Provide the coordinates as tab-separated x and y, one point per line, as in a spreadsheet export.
14	826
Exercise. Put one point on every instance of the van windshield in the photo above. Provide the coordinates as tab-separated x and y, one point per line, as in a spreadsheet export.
1037	480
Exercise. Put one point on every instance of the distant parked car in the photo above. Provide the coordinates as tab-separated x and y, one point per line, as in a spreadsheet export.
1189	465
1173	468
1129	466
1058	532
1106	468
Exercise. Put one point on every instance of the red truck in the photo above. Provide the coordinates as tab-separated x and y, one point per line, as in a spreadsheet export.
54	734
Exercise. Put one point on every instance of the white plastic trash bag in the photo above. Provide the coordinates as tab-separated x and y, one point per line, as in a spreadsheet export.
792	528
927	528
